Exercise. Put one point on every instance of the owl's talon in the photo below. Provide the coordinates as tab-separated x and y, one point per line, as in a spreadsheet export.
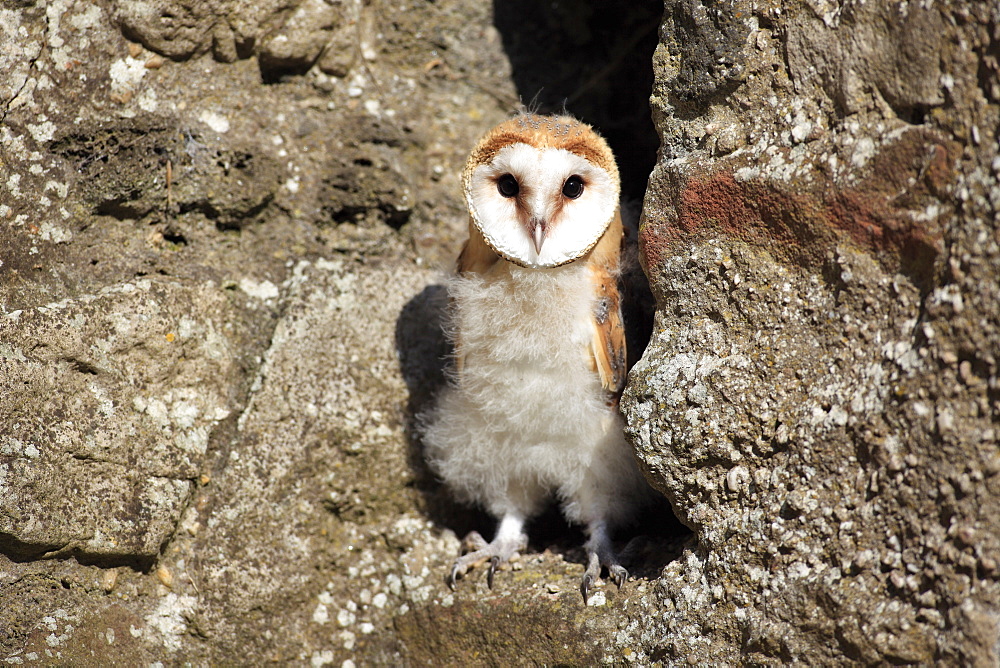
509	541
588	582
453	576
600	553
494	562
618	575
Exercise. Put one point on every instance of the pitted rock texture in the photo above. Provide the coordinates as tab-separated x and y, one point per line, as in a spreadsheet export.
118	392
820	233
222	229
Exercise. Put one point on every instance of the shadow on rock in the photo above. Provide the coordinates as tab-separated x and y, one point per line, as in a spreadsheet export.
594	61
424	353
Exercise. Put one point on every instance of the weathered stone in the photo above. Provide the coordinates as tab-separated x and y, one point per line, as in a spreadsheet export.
819	401
110	402
801	237
180	29
296	45
340	51
866	53
315	465
23	36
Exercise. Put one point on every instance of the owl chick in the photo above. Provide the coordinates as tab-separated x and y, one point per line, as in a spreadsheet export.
532	408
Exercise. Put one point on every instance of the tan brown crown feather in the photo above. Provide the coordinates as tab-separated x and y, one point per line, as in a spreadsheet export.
543	132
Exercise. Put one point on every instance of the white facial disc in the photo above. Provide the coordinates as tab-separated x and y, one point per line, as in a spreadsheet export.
573	226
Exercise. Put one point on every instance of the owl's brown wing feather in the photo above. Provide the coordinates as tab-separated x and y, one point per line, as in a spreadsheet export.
476	257
608	343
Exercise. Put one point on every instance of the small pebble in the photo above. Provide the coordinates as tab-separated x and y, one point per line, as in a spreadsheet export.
109	579
164	575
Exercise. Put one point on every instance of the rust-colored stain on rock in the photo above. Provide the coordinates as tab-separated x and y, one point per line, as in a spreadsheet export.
801	225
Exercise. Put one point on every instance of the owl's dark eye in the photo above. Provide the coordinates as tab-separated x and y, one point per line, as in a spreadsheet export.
507	185
573	187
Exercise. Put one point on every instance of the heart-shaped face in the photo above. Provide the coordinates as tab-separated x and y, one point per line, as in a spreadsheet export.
542	190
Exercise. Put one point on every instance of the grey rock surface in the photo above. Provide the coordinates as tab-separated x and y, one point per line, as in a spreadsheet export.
821	233
109	403
223	227
222	231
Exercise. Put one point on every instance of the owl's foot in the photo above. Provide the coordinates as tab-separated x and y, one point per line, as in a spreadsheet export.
510	540
600	553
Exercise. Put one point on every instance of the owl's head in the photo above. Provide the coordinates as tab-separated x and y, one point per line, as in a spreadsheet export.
542	189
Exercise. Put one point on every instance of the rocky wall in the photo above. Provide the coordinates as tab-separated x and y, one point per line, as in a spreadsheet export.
819	401
222	231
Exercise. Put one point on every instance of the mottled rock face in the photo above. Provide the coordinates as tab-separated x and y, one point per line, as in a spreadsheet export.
821	234
222	228
110	400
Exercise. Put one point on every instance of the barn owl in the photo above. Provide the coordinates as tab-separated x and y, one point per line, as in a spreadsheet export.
531	411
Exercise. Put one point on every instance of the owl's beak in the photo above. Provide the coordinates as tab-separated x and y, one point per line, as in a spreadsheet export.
537	227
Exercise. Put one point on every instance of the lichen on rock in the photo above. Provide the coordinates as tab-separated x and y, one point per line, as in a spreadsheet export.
222	232
799	400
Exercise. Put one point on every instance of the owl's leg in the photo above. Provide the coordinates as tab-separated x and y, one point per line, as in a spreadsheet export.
510	539
600	552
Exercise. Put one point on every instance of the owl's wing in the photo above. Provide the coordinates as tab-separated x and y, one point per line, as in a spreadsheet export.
476	257
608	343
